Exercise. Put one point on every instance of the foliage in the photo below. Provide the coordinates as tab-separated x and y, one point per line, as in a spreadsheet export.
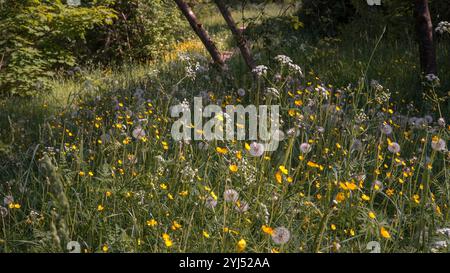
143	31
39	37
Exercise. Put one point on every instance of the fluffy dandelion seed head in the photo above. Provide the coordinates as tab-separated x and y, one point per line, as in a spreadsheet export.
230	195
281	235
210	202
305	148
256	149
441	122
386	129
242	206
438	144
3	211
394	147
377	185
241	92
138	133
8	200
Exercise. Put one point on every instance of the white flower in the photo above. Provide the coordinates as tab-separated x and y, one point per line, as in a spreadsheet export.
386	129
441	122
281	235
256	149
305	148
260	70
296	69
283	59
443	27
231	195
444	231
138	133
394	147
438	144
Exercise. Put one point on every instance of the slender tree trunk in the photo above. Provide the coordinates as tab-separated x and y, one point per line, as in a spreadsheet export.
201	32
424	28
237	33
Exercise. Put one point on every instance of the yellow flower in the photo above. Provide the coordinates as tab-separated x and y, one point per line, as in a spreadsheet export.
278	177
372	215
222	150
283	169
365	197
340	197
152	223
241	245
167	241
108	194
267	229
333	227
205	234
81	173
385	233
100	208
105	248
175	225
233	168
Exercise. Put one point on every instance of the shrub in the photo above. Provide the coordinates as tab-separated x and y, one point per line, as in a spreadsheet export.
40	36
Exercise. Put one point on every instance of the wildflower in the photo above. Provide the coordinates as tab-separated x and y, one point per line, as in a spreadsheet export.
256	149
305	148
394	147
241	245
3	211
283	169
441	122
230	195
167	241
260	70
100	208
377	185
9	199
241	206
384	233
105	248
386	129
438	144
205	234
152	223
222	150
211	202
283	59
443	27
372	215
281	235
333	227
278	177
365	197
138	133
241	92
267	229
176	225
444	231
233	168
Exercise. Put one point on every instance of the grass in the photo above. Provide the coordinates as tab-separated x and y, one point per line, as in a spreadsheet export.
75	169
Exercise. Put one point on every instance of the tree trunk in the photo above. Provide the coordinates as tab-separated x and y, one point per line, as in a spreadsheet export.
424	28
237	33
201	32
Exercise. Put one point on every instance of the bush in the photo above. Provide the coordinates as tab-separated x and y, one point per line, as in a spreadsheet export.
142	31
40	36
